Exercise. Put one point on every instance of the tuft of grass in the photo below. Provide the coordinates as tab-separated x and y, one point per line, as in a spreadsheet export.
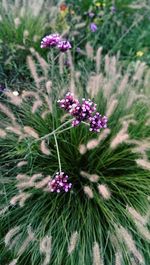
91	224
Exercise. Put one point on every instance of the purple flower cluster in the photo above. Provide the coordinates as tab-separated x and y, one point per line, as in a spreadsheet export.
83	112
59	183
97	122
55	40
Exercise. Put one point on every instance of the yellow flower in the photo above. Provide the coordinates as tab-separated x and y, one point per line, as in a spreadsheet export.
139	54
98	4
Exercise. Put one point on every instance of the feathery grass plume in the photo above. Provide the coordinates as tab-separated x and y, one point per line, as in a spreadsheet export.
61	63
111	107
43	183
121	136
104	191
123	84
4	210
98	59
2	133
15	130
144	231
91	177
97	260
9	237
14	262
143	163
16	100
30	131
89	51
30	238
7	112
118	258
44	65
45	249
130	244
21	198
82	149
22	163
88	191
32	67
136	216
44	149
36	105
91	144
73	242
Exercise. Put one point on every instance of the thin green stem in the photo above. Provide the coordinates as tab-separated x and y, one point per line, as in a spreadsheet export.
53	132
58	154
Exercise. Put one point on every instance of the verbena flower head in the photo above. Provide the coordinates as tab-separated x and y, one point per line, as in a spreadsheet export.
60	183
82	111
64	45
51	40
93	27
68	101
97	122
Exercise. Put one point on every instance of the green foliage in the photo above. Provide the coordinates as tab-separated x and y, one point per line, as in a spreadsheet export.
96	218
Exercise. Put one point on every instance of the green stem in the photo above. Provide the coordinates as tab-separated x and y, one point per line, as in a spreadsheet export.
58	155
53	132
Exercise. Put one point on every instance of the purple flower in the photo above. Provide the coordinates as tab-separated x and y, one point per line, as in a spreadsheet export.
64	45
2	88
97	122
67	102
59	183
82	111
50	41
113	9
93	27
91	14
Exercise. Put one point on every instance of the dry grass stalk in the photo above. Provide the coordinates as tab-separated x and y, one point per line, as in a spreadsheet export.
88	191
96	255
44	65
103	135
144	232
73	242
121	137
104	191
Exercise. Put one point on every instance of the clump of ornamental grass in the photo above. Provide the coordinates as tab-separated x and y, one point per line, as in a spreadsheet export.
70	195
